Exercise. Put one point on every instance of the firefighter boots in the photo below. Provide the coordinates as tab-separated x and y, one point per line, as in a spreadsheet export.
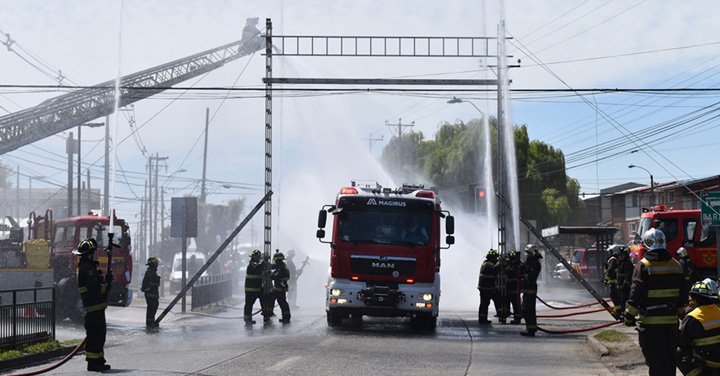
528	333
98	367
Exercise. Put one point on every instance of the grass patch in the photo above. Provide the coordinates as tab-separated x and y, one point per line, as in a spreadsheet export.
72	342
35	348
611	336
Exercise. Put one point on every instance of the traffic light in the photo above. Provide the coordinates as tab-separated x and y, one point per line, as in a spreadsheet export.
477	196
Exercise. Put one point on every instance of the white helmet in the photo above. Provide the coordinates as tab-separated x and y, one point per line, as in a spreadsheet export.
654	239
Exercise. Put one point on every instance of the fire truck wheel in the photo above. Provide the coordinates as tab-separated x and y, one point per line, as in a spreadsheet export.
334	319
420	323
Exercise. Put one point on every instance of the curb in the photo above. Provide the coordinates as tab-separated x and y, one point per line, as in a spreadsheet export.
597	347
30	360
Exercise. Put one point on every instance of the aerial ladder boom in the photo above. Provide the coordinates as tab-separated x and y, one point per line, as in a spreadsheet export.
81	106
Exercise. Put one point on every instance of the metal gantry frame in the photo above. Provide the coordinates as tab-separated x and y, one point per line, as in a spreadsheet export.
361	46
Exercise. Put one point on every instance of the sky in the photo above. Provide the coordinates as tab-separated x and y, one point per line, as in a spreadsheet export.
322	140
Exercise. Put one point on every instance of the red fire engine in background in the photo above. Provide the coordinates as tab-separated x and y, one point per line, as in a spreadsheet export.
62	236
682	228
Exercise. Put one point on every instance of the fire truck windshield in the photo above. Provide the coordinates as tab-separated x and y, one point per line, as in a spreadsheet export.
100	234
385	226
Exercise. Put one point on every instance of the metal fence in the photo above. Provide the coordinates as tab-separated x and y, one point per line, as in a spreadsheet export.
26	316
211	289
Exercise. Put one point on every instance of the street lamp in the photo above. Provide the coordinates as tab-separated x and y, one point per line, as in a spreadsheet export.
652	184
458	100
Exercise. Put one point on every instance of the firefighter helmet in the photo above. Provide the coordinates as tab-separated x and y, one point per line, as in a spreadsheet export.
513	255
492	254
290	253
682	252
86	246
153	260
706	288
654	239
532	248
256	254
617	249
278	256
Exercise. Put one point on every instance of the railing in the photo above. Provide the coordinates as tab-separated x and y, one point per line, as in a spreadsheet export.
211	289
26	316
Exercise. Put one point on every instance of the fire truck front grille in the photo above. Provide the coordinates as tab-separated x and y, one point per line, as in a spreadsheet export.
381	265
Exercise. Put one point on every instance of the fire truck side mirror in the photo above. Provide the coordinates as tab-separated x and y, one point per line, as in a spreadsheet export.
322	219
450	240
320	233
450	225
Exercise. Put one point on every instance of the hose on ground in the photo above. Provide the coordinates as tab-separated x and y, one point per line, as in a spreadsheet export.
572	313
571	307
56	365
578	330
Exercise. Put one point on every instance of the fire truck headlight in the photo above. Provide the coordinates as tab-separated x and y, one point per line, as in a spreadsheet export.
425	297
423	305
336	292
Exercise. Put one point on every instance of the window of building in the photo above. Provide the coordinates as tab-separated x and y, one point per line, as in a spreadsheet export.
671	197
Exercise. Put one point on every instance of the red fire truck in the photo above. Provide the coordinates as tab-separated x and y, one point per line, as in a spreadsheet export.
63	236
385	253
682	228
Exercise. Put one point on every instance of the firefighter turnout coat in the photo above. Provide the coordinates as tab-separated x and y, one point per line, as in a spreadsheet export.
700	337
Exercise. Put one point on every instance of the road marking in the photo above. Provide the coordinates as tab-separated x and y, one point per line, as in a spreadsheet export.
328	342
283	363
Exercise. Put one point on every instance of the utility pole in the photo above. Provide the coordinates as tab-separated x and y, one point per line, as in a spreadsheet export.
207	123
106	187
70	148
153	199
400	126
372	140
17	195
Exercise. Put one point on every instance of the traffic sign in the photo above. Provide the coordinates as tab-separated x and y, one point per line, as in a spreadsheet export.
710	208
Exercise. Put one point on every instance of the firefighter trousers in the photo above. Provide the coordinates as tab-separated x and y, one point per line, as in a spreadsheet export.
250	298
95	330
486	296
528	310
615	296
659	344
514	300
152	307
281	298
624	294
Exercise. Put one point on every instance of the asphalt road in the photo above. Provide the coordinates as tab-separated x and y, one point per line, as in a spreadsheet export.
222	345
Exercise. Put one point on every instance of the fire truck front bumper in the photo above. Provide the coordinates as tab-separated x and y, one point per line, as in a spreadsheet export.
382	300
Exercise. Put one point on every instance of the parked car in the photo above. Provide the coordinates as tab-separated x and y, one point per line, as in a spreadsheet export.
195	261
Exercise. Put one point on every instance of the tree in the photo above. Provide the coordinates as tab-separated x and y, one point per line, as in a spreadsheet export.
215	222
454	160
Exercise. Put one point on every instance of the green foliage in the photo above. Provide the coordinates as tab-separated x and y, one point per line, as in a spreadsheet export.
611	336
454	159
215	223
29	349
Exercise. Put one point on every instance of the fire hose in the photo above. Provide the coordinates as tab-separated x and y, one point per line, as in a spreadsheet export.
571	307
56	365
573	314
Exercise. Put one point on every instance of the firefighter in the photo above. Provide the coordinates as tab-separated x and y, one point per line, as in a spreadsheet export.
699	345
487	284
280	276
253	284
93	290
611	269
151	286
689	271
658	294
530	272
292	285
624	278
512	271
